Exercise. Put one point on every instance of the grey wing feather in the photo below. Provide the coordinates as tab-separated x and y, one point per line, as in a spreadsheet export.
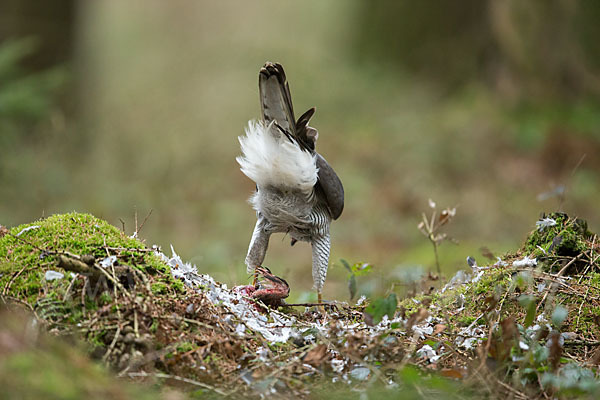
275	97
302	129
332	187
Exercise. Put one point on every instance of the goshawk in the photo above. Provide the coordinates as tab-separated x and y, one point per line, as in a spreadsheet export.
297	191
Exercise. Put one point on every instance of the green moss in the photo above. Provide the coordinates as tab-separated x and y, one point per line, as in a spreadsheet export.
584	313
567	238
28	251
184	347
410	305
490	281
159	288
154	326
177	285
465	320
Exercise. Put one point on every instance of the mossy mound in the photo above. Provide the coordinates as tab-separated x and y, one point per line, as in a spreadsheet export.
28	251
557	236
532	327
79	276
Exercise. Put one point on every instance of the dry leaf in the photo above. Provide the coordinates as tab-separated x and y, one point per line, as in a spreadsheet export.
452	373
317	356
439	328
417	317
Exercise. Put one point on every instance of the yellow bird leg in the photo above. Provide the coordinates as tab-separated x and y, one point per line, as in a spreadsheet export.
320	307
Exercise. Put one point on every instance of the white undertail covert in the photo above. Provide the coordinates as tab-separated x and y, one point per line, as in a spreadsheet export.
270	158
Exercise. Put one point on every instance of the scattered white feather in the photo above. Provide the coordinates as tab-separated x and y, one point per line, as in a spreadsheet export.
269	158
477	277
360	373
29	228
337	365
541	287
525	262
460	278
542	249
545	223
423	330
469	337
500	263
428	353
263	354
277	327
52	275
108	262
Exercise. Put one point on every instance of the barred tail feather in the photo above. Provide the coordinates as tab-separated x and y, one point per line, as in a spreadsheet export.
271	159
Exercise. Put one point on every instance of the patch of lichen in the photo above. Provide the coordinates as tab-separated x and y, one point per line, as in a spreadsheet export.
29	250
568	238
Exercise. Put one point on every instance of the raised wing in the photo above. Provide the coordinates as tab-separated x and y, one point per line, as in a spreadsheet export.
304	133
332	187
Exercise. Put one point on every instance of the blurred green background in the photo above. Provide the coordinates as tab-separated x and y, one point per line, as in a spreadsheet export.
113	108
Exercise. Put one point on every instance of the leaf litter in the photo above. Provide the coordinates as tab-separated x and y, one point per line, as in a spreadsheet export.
205	336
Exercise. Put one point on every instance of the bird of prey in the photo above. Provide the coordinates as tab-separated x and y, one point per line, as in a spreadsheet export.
297	191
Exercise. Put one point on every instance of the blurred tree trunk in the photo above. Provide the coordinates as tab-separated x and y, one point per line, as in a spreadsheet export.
524	49
51	23
541	47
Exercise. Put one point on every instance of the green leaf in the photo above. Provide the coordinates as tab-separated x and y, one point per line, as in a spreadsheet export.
311	331
382	306
529	304
360	269
346	265
523	280
410	375
559	315
540	354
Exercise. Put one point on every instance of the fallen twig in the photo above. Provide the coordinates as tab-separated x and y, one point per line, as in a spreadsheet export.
177	378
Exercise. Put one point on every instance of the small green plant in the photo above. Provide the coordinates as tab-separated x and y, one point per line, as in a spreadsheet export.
379	307
430	227
357	269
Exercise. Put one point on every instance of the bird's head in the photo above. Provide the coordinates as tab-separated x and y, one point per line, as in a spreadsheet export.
270	286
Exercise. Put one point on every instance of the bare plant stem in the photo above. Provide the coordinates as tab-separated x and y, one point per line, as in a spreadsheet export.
435	252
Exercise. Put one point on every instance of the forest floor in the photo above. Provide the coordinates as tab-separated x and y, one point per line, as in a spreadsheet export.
89	311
